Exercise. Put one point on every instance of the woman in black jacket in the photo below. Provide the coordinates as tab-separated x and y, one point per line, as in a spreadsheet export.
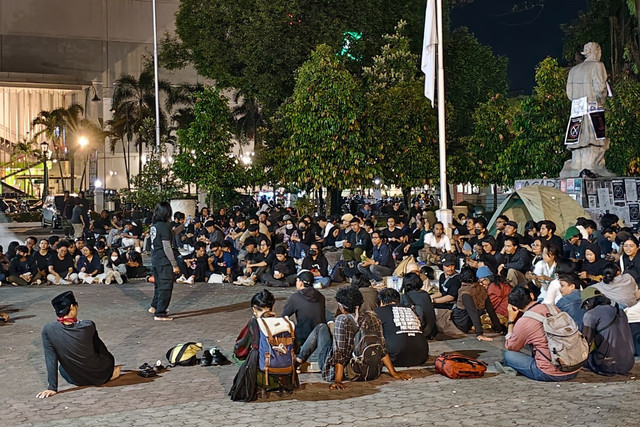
414	296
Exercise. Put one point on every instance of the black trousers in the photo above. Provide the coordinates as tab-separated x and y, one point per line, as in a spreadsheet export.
465	318
163	287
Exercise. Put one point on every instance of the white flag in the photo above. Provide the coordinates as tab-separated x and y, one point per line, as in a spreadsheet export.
429	51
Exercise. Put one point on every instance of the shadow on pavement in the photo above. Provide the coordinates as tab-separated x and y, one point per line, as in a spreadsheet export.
13	319
130	378
222	309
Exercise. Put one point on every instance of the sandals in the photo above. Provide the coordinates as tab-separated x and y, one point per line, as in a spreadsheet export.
163	318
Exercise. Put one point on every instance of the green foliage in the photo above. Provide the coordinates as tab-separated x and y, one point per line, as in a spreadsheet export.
538	147
473	73
154	184
400	120
493	133
614	25
256	45
623	126
323	144
204	149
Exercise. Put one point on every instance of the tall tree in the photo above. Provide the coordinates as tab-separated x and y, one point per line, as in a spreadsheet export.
256	45
400	120
133	101
324	145
204	148
538	148
623	127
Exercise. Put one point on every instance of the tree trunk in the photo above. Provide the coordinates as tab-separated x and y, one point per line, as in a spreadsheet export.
127	166
210	202
139	156
494	188
333	203
406	194
64	187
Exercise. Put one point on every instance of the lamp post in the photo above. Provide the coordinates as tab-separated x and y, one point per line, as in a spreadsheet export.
45	153
83	141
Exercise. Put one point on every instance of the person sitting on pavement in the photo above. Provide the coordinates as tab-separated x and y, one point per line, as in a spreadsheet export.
318	265
436	244
356	242
472	301
282	273
259	265
514	262
335	353
20	268
369	292
74	348
414	296
393	234
300	240
222	261
619	288
593	264
308	304
405	343
574	244
4	265
606	329
545	271
448	284
529	331
497	289
40	260
630	259
548	231
194	266
89	266
134	266
61	266
571	301
381	263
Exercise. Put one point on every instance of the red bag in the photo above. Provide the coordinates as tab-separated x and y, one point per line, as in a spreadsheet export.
456	365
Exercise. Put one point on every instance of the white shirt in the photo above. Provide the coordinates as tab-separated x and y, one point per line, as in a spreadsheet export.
443	243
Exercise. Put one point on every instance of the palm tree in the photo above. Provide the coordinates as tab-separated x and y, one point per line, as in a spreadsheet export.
247	117
52	122
133	101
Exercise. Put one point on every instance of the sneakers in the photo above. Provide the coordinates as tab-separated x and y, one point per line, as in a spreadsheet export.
181	279
239	280
38	282
502	369
249	282
189	281
217	358
107	279
206	359
119	280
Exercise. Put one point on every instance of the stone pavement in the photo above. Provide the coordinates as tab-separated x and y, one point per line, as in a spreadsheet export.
214	314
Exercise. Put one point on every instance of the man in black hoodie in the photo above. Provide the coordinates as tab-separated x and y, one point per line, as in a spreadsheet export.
307	304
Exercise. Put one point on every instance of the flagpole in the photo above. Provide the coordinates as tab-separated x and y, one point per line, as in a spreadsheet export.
445	214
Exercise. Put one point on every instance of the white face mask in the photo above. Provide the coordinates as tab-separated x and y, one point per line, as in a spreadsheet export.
289	226
114	258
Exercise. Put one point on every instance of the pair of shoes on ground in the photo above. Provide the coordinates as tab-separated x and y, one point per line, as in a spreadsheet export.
146	371
184	281
504	369
213	357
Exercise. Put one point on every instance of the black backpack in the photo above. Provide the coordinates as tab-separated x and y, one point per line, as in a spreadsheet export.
366	360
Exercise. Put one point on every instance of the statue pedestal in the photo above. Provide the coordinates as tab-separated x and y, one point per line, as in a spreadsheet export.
617	195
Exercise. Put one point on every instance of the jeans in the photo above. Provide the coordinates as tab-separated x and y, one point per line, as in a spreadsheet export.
374	272
470	316
320	339
526	365
163	287
321	282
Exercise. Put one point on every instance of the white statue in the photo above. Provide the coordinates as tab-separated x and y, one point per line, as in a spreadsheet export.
587	80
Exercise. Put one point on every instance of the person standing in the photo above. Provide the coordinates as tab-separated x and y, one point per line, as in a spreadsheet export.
163	261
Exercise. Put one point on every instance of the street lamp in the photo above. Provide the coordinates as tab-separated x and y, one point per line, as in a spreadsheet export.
45	152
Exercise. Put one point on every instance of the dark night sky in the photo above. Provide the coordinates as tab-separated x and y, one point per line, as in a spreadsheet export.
525	38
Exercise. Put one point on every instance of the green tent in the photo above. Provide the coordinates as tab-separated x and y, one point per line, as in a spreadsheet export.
538	202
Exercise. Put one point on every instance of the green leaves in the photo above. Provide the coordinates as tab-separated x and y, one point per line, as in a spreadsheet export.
204	148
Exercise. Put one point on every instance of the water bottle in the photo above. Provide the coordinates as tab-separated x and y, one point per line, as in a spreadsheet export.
395	281
303	254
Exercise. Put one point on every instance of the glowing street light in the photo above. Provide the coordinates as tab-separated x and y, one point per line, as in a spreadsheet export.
83	141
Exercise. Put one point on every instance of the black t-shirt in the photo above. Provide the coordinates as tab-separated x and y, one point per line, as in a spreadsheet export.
405	343
61	266
41	262
397	233
449	286
270	258
158	232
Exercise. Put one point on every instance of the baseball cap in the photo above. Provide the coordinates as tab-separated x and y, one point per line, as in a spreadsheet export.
589	292
306	277
347	217
571	232
448	259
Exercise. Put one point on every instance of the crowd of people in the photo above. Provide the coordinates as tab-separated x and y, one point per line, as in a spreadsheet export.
409	281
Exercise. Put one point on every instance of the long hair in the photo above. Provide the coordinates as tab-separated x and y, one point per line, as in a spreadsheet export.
162	212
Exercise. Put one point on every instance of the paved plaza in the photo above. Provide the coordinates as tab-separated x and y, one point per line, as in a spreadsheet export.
213	314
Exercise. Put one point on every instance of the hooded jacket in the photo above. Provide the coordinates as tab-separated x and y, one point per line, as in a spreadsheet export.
309	307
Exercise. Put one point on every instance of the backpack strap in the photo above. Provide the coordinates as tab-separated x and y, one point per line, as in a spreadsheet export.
552	309
532	315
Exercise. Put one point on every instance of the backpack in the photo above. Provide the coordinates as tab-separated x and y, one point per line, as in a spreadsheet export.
366	359
567	346
457	365
184	354
275	350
